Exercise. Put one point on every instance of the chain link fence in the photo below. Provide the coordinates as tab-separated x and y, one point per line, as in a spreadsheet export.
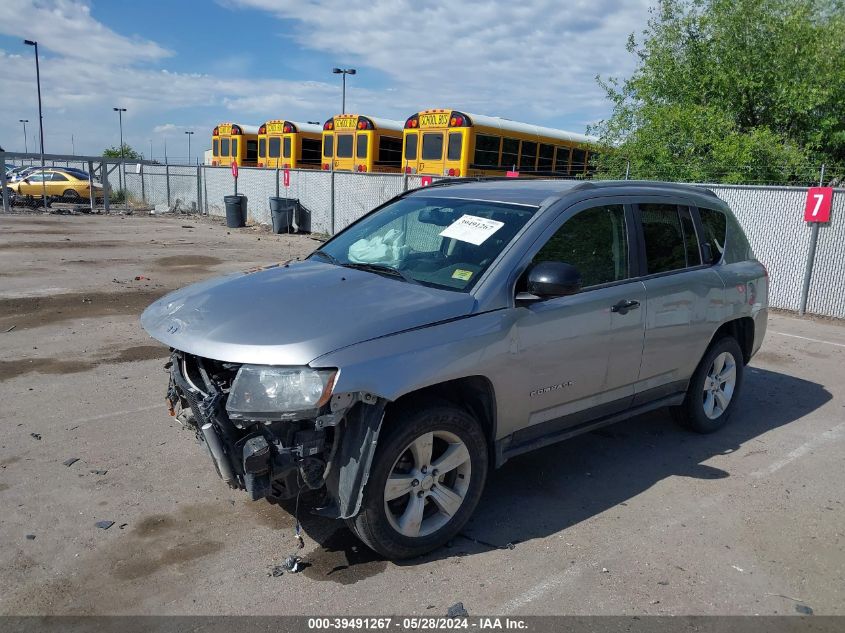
772	216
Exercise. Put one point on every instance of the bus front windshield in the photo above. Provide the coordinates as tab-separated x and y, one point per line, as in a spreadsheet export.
440	242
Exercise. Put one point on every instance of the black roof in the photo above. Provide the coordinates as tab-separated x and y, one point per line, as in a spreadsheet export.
535	191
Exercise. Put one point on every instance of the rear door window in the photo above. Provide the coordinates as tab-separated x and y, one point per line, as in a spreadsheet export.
361	146
286	147
714	227
344	145
432	146
275	145
328	146
234	147
262	148
224	147
215	147
665	249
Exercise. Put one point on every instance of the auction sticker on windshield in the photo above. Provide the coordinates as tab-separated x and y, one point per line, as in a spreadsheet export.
472	229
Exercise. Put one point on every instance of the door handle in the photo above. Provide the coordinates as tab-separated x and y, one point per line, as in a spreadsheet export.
624	306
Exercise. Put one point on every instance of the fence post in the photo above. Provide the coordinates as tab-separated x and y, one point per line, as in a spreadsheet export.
205	189
811	256
199	190
331	202
143	188
627	169
104	172
277	182
167	179
92	195
3	182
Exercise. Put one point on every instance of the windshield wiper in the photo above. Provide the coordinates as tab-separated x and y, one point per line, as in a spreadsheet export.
380	268
329	257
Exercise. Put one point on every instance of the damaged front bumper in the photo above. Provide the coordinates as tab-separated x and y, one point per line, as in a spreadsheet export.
276	459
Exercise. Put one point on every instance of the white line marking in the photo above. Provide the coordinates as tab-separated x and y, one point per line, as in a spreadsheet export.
828	436
539	590
807	338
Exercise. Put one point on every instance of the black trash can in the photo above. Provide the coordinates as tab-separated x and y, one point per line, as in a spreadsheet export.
235	211
282	212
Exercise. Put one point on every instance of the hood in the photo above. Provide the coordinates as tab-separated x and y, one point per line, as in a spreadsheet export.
290	315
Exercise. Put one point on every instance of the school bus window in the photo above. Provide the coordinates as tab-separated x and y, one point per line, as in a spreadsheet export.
390	150
328	146
547	157
361	146
486	150
454	151
234	147
344	145
215	148
252	150
310	150
262	148
510	152
432	147
275	145
579	159
286	147
528	156
562	162
411	146
224	147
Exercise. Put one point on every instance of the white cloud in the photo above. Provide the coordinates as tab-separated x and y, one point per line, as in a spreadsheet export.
526	60
66	27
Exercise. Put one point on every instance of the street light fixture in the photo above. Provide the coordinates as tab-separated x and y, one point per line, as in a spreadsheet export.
344	72
190	134
120	112
40	119
25	146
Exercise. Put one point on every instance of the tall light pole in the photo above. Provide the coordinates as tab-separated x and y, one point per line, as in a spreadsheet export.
120	112
344	72
25	145
40	119
151	149
72	145
190	134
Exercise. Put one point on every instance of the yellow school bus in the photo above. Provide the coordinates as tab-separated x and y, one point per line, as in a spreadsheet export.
289	145
452	143
352	142
234	142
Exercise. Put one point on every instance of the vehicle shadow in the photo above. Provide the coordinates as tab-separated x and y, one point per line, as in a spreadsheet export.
544	492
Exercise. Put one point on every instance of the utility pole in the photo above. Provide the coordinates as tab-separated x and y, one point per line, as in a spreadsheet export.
343	72
25	146
120	112
190	134
40	119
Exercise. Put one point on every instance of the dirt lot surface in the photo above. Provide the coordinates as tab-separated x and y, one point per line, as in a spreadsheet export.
639	518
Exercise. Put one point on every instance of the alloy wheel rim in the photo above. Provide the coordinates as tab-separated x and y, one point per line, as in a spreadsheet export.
427	484
719	385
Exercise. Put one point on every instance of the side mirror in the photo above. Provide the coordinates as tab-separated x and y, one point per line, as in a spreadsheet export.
26	180
546	280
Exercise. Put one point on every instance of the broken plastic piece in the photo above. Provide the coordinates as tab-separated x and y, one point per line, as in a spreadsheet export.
293	564
71	461
457	611
104	525
37	436
30	537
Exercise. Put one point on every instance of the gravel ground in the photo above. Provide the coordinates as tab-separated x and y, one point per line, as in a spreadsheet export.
639	518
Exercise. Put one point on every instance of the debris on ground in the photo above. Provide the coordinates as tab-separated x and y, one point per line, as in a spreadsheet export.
10	329
71	461
293	564
99	472
276	571
36	436
605	570
122	525
30	537
803	609
104	525
457	611
187	226
141	278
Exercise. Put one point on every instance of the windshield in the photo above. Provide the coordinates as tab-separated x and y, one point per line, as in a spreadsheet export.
440	242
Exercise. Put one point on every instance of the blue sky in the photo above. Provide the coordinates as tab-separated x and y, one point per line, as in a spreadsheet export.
189	64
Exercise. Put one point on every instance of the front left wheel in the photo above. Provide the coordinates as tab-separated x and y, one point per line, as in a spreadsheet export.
426	479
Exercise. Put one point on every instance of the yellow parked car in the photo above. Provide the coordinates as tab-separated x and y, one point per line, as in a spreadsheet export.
59	183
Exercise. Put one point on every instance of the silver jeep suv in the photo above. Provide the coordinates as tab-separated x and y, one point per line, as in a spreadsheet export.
454	327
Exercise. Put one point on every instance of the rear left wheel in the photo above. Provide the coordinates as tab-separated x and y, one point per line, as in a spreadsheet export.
426	479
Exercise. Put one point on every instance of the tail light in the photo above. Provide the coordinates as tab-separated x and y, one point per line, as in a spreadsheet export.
407	170
286	166
214	163
454	172
325	166
215	132
288	128
412	122
262	129
328	125
261	164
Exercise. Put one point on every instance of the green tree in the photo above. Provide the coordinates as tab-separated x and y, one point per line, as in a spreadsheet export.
128	153
731	91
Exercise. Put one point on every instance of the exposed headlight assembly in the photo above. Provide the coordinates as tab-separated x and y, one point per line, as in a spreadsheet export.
264	392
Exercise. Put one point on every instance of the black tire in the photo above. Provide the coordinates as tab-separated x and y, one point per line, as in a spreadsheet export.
372	524
71	194
692	413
